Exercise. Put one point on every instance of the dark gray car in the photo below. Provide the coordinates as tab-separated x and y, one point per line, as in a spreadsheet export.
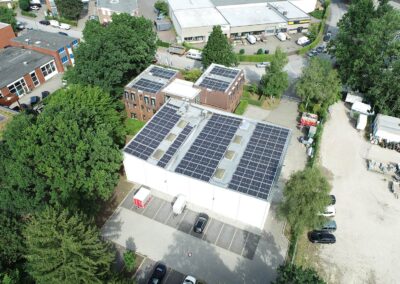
329	226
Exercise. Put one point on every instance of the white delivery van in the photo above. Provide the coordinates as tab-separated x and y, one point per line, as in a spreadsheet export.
65	26
194	54
251	39
179	205
361	122
281	36
303	41
54	23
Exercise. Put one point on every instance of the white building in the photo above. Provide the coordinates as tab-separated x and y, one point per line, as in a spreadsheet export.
386	127
219	161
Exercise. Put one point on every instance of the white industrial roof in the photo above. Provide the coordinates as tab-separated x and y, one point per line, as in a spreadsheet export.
288	10
361	108
250	14
202	17
388	123
189	4
182	89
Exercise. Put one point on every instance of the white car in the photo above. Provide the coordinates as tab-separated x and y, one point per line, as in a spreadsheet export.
189	280
263	64
65	26
330	211
35	8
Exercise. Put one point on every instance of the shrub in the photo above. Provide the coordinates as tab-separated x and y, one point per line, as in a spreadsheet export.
241	51
24	5
162	43
28	14
260	51
129	260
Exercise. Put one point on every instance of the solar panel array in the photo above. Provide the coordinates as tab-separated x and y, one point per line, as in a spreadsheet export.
259	164
144	144
175	146
162	73
224	72
214	84
148	86
203	157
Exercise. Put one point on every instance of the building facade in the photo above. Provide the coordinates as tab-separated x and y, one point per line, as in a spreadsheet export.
6	33
106	8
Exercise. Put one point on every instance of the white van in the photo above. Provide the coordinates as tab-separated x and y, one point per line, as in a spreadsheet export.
303	41
65	26
194	54
179	205
54	23
281	36
251	39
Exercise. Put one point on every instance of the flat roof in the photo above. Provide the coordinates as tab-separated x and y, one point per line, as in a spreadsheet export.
387	123
226	150
189	4
46	40
218	77
250	14
288	10
153	79
235	2
182	88
201	17
15	62
126	6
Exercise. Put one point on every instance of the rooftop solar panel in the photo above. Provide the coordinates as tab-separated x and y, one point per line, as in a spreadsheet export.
150	137
224	72
162	73
214	84
261	159
148	86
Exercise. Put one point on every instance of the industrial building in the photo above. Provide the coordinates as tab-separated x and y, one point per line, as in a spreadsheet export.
106	8
194	19
221	162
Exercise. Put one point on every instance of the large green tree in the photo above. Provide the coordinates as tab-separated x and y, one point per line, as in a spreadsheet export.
319	85
24	5
218	50
68	154
110	56
292	274
63	248
305	195
275	81
70	9
8	16
161	6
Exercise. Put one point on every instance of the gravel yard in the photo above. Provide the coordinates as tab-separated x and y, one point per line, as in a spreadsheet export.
367	214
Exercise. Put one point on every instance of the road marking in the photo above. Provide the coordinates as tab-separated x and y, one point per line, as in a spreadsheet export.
140	266
169	216
169	270
158	210
183	217
223	224
205	231
245	242
234	234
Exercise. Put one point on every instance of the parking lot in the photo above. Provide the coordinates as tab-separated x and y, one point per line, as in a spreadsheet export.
223	235
146	269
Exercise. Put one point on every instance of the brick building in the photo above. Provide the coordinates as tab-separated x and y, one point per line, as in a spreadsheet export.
21	70
6	33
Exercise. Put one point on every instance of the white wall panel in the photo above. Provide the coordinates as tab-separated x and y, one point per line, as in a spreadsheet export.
253	211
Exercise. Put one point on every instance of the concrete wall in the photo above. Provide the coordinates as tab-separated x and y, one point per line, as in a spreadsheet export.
236	206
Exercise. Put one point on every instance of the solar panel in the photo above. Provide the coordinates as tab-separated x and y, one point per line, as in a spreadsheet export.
144	144
209	147
162	73
175	146
148	86
260	161
214	84
224	72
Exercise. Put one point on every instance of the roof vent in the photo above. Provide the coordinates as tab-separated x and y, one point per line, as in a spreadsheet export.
219	173
37	42
229	154
25	62
171	137
114	1
158	154
284	13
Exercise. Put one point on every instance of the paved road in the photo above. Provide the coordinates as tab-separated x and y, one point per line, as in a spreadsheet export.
338	9
176	61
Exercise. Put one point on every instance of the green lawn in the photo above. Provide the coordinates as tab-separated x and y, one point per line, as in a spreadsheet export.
318	14
133	126
241	108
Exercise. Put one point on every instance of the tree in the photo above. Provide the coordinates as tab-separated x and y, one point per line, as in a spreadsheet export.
218	50
69	9
24	5
62	248
8	16
319	85
192	75
290	273
275	81
129	260
162	7
68	155
11	241
111	56
305	195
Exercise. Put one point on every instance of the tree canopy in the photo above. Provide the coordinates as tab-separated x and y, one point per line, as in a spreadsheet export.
62	248
110	56
319	85
70	9
161	6
218	50
292	274
7	16
275	81
305	195
24	5
68	154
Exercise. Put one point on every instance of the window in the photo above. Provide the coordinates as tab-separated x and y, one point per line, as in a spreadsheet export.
146	100
133	115
126	95
34	79
134	105
153	102
75	43
48	69
64	59
18	88
61	50
195	38
133	96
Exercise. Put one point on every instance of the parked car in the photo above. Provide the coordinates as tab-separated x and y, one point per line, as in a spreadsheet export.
329	226
45	94
189	280
94	17
200	223
34	8
263	64
322	237
312	53
54	23
62	33
34	100
251	39
160	16
158	274
320	49
194	54
327	36
333	199
281	36
44	22
20	26
330	211
303	41
65	26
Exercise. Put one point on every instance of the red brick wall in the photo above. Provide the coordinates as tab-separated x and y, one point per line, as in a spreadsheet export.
6	34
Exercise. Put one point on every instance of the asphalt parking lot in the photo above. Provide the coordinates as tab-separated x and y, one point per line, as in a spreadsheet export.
146	269
216	232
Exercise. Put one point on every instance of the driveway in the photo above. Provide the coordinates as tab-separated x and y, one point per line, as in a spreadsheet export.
337	9
367	239
176	61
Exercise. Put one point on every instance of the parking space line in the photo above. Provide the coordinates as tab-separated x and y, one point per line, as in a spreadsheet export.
234	234
220	231
183	217
247	237
169	216
158	210
169	269
205	231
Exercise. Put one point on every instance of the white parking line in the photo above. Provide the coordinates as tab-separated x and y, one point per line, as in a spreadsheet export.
223	224
158	210
234	234
169	216
248	234
205	231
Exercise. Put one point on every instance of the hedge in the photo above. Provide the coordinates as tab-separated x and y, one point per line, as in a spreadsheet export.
255	57
162	43
28	14
241	108
188	45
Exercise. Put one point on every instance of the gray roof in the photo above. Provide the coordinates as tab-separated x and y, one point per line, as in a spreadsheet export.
235	2
126	6
46	40
15	62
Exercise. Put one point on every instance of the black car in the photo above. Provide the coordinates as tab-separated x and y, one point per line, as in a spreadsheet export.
62	33
44	22
158	274
327	37
321	237
200	223
35	100
333	199
45	94
319	49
